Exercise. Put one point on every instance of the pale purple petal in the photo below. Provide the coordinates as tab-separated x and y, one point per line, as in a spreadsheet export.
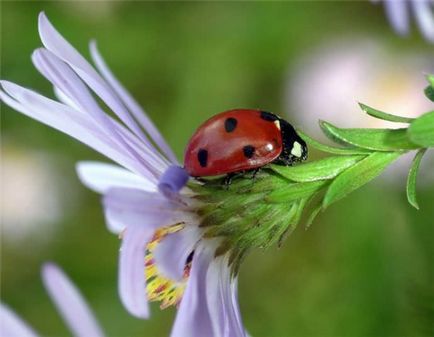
13	326
397	12
65	119
62	76
424	13
224	311
172	252
235	303
132	284
70	303
215	300
193	317
138	201
131	104
63	98
172	181
209	306
100	177
128	206
59	46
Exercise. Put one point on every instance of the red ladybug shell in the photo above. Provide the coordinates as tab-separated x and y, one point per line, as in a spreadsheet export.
232	141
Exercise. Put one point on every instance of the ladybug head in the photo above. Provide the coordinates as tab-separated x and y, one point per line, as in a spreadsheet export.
294	148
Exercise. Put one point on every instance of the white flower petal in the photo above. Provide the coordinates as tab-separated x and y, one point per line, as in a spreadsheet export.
70	303
132	284
131	104
100	177
13	326
172	252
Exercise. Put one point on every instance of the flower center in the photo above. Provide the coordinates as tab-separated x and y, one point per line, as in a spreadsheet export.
158	287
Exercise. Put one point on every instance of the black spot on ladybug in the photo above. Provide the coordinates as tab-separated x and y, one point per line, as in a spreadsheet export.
230	124
268	116
248	151
202	156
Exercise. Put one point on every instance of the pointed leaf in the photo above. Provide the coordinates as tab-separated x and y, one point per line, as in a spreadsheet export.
430	79
327	168
295	191
429	92
313	214
373	139
411	180
384	116
330	149
421	131
358	175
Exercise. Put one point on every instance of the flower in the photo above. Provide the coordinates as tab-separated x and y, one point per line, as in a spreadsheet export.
69	302
164	255
398	12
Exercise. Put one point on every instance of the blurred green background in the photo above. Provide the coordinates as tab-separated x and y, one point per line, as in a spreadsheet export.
365	268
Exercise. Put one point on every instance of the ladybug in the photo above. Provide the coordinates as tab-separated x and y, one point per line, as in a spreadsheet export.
241	140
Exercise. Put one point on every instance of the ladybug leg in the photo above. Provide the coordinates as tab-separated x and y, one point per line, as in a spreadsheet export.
228	180
255	172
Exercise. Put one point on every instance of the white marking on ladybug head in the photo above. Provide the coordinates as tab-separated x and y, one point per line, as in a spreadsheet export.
296	149
277	123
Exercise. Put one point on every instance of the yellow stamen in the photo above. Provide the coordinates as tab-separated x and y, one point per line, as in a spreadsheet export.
158	287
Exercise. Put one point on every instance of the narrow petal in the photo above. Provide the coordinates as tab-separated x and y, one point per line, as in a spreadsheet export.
131	104
397	12
63	98
235	304
54	42
70	303
100	177
224	311
64	119
132	284
62	76
13	326
128	206
209	306
172	252
193	317
424	13
131	202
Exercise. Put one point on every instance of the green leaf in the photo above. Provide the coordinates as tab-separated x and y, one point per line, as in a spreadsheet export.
421	131
358	175
295	191
429	92
313	214
373	139
430	79
327	168
411	180
330	149
384	116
